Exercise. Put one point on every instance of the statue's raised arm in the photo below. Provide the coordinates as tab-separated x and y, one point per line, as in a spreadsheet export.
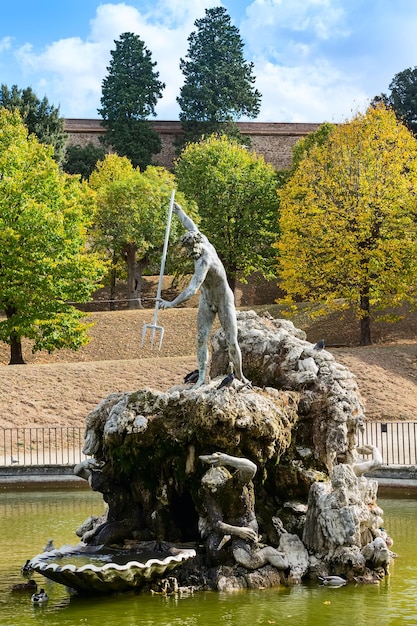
186	221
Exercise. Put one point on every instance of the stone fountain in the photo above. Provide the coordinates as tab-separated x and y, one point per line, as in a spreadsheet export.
239	487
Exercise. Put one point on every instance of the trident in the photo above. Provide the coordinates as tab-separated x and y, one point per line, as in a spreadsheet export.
154	326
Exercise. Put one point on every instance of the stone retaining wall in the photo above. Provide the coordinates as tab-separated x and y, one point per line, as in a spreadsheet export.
274	140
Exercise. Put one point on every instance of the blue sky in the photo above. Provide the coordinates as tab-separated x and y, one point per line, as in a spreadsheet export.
314	60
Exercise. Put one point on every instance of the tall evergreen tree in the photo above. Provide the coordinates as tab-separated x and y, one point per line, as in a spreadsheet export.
129	96
218	87
41	118
402	98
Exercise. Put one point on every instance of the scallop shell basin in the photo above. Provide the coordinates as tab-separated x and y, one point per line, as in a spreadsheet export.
112	576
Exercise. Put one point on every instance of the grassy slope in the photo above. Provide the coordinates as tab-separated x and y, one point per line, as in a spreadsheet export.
63	387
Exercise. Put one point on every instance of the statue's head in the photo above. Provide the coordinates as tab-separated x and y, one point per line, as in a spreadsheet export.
215	478
191	240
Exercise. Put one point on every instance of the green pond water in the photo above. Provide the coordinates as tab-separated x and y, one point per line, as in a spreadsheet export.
29	518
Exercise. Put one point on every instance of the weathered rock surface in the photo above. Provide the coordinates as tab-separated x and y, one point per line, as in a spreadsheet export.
147	445
276	354
298	424
342	518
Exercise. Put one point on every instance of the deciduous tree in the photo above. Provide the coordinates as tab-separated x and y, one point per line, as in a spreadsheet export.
235	191
348	219
130	92
40	117
219	83
130	220
43	261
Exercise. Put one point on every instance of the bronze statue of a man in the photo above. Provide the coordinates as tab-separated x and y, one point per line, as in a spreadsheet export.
216	296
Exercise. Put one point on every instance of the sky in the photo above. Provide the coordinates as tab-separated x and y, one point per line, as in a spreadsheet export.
314	60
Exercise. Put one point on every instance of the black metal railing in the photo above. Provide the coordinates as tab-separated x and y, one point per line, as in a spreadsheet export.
397	441
53	445
62	445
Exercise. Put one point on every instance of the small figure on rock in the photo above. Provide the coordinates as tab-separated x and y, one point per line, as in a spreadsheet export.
377	554
230	514
362	466
216	296
85	468
49	546
191	377
227	382
320	345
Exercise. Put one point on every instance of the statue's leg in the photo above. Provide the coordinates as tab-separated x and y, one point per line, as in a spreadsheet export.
236	359
274	557
205	319
251	558
229	325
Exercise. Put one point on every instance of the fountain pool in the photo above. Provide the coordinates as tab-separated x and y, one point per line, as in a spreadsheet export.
29	518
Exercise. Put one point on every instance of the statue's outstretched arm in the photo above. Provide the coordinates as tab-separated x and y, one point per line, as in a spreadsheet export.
197	280
246	468
186	221
243	532
361	467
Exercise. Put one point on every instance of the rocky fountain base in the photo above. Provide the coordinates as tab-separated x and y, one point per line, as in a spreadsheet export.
262	485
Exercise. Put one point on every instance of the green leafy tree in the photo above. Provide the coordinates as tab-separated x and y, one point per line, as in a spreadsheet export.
348	219
41	118
302	149
219	84
130	220
129	96
43	261
82	159
235	191
304	145
402	97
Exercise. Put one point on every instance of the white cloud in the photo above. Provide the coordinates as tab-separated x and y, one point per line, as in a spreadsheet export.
313	59
281	24
72	69
5	43
319	60
312	93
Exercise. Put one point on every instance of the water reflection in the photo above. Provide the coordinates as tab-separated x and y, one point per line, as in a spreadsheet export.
29	519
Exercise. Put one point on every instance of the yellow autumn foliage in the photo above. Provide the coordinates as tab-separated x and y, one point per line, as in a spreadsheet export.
349	217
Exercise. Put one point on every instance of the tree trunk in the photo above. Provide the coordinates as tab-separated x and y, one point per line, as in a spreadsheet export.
140	266
366	339
133	285
231	279
16	354
113	276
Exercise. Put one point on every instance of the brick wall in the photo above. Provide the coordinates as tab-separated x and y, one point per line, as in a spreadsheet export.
273	140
